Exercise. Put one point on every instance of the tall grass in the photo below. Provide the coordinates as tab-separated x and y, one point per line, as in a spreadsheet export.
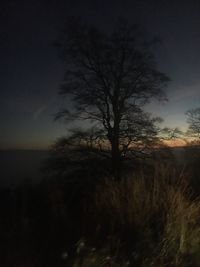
144	221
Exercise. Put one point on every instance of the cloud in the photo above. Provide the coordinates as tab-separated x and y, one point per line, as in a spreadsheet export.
39	111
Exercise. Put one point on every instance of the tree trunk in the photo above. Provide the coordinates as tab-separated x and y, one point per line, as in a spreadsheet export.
116	160
116	156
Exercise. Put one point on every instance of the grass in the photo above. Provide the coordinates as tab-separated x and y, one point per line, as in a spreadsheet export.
142	221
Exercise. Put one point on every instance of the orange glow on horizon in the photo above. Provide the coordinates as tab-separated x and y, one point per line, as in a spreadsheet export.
177	142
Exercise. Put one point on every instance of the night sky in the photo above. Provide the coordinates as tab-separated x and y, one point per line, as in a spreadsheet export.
31	71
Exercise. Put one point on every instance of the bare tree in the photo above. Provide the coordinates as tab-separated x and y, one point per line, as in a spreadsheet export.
109	77
193	119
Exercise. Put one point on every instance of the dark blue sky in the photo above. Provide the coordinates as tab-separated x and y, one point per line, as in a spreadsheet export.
30	70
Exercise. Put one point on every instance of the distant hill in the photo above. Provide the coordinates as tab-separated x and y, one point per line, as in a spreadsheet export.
20	165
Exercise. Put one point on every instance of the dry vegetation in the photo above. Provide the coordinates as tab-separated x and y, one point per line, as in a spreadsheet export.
148	218
142	222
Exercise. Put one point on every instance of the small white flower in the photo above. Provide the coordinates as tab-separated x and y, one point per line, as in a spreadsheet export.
81	245
64	255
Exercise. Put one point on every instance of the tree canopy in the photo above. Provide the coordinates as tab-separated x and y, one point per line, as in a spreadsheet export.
109	78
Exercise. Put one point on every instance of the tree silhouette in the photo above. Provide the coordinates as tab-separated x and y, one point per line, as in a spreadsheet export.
193	119
109	77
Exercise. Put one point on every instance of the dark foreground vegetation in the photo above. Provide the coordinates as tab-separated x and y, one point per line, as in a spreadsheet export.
151	217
